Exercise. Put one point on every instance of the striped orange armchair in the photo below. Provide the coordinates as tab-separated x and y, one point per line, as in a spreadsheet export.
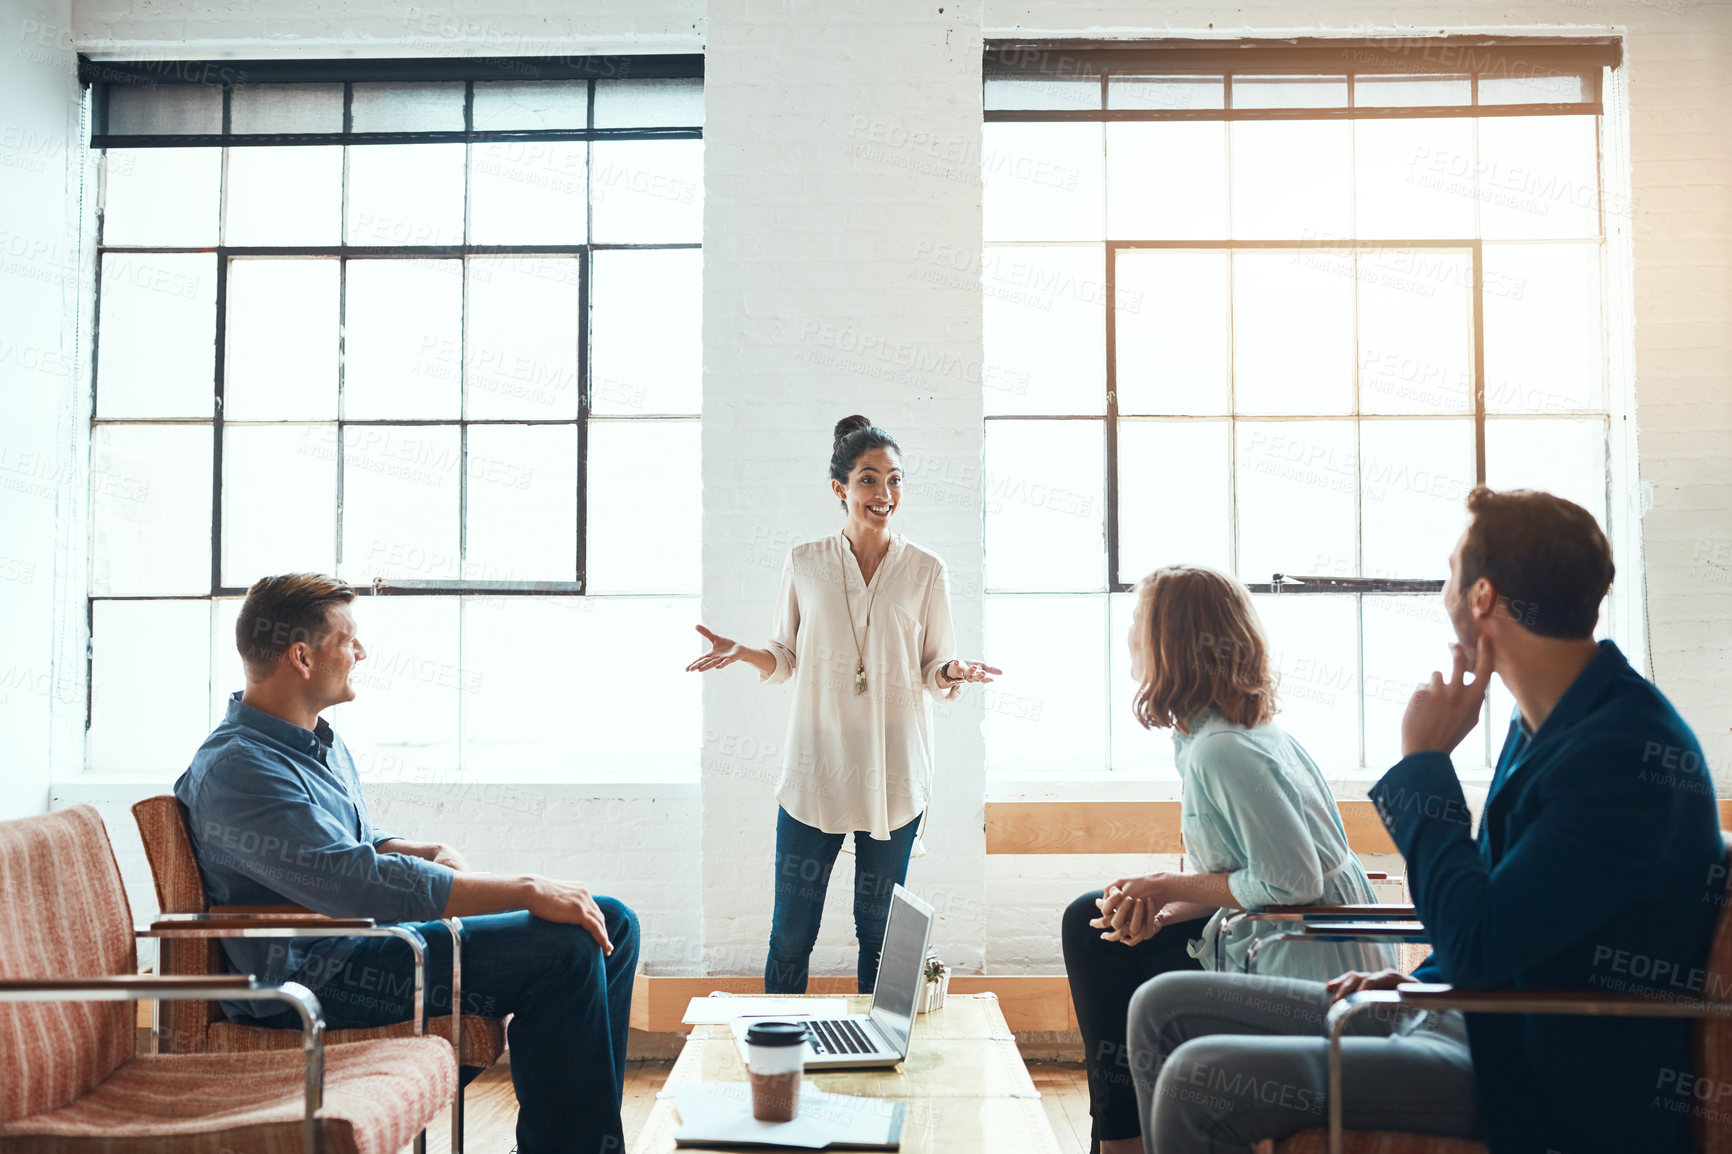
70	1082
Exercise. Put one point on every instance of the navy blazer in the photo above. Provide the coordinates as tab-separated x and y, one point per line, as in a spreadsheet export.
1598	866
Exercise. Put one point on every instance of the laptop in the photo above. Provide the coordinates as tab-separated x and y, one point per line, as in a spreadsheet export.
878	1037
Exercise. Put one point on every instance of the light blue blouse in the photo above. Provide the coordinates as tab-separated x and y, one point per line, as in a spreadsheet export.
1257	809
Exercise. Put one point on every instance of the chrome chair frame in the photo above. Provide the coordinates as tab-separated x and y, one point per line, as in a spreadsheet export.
238	987
1426	996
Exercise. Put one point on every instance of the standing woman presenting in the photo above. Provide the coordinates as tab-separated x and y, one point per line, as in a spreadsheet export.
862	626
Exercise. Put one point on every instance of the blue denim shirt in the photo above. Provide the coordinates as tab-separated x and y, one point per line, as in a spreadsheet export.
277	818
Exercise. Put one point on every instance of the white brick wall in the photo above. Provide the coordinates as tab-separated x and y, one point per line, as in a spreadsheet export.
815	213
809	315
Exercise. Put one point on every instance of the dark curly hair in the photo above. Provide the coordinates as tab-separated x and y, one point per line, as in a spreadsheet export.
856	435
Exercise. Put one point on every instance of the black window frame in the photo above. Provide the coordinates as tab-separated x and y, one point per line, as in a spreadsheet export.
102	76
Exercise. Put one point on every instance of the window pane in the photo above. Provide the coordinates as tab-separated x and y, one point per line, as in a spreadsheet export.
1533	87
156	352
407	107
522	517
1167	181
1173	496
1415	177
284	195
1048	713
1399	90
534	708
506	104
164	109
648	191
1045	522
1174	92
1044	329
401	486
658	103
1293	332
1290	91
1292	179
1538	176
1043	92
1406	639
281	340
279	501
1314	648
1543	350
410	690
150	505
161	196
405	194
520	359
1171	331
401	332
1415	331
627	494
1414	481
260	108
140	644
1297	484
1567	458
1042	181
1133	747
646	324
528	192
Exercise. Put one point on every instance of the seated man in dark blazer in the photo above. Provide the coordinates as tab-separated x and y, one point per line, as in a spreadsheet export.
278	817
1597	866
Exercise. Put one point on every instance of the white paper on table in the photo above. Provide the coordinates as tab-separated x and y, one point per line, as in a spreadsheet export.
723	1008
721	1113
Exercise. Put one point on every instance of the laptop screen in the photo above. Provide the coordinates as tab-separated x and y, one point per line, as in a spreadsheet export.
900	966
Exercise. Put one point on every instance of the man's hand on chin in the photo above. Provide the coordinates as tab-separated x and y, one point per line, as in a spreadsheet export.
1441	712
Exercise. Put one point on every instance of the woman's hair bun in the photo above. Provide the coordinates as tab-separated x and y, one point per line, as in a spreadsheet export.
851	425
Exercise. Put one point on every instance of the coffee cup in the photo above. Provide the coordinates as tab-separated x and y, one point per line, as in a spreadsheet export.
775	1060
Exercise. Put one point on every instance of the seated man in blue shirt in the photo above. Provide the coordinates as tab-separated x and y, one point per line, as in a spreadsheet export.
277	817
1594	861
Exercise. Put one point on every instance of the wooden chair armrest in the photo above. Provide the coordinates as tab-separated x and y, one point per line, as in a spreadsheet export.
132	985
279	911
1293	913
1434	996
1367	928
234	925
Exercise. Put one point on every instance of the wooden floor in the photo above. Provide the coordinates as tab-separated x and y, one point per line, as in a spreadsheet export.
491	1107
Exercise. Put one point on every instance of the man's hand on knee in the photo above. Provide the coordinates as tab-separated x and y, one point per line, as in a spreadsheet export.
1355	980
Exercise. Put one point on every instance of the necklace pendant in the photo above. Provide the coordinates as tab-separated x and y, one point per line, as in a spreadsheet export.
860	680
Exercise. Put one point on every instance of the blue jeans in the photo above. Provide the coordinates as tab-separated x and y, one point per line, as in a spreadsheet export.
804	858
570	1008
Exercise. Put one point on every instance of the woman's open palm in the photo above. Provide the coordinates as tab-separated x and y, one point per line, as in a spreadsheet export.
723	651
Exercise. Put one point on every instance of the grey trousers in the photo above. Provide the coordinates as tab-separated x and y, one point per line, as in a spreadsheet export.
1222	1061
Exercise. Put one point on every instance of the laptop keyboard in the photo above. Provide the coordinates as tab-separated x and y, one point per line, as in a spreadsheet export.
830	1036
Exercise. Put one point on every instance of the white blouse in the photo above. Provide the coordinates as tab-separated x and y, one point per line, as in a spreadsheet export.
860	761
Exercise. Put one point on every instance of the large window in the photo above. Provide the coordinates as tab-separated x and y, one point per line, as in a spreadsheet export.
436	331
1276	310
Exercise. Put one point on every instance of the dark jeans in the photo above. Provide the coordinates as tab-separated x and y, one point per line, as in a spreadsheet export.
571	1007
1103	976
804	859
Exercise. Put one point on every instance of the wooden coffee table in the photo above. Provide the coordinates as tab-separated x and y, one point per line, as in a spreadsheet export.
965	1084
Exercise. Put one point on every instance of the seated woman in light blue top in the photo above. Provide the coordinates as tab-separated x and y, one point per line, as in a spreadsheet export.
1259	823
